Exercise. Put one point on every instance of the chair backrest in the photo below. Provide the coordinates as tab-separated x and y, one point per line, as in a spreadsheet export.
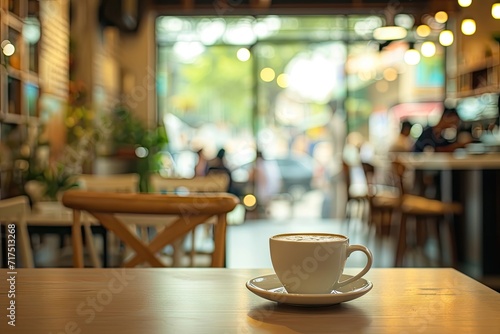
369	171
191	210
215	182
14	209
399	170
124	183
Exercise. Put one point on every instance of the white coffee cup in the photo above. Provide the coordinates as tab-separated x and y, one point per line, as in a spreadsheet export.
312	263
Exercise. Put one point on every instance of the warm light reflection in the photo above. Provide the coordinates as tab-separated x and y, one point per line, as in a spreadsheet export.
267	74
428	49
464	3
389	33
282	80
468	27
412	57
423	30
441	17
243	54
390	74
249	201
8	48
446	37
495	10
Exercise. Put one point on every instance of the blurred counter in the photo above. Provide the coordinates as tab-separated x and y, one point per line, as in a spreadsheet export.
458	160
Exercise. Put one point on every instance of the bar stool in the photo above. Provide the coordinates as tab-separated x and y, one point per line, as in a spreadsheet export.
422	210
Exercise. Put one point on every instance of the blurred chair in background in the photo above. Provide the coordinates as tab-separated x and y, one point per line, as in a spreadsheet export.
423	211
120	183
357	204
382	199
211	183
13	212
189	210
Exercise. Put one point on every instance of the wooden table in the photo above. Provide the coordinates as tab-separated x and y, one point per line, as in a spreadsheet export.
207	300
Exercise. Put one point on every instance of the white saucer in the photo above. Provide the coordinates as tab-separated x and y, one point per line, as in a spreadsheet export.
269	287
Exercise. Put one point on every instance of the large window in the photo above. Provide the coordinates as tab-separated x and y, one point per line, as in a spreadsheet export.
271	83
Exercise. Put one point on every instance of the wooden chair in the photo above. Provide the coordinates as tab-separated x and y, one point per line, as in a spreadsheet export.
190	210
127	183
121	183
13	211
382	200
357	201
423	209
215	182
212	183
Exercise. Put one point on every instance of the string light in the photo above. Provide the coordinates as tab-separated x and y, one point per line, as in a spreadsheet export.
464	3
468	27
495	10
428	49
446	37
412	56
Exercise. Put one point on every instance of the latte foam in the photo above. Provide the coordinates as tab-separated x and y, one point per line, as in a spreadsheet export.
310	238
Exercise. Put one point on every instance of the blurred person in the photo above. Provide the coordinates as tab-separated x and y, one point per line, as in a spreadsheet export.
266	177
218	165
403	142
442	137
201	167
337	131
435	138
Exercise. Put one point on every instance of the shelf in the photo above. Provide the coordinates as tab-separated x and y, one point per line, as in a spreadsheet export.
479	79
20	87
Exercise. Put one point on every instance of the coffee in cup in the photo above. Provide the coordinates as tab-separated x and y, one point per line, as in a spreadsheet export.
312	263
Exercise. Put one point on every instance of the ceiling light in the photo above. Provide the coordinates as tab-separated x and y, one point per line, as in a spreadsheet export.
495	10
389	33
412	56
446	38
464	3
423	30
468	27
441	17
428	49
8	48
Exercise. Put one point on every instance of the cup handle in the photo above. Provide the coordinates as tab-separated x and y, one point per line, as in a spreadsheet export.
369	256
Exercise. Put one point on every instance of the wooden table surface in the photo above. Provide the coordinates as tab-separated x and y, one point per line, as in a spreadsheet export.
206	300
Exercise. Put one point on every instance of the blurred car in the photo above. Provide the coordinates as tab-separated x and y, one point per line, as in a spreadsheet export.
296	174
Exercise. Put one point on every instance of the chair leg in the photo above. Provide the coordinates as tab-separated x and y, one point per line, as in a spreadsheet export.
453	244
193	248
94	257
401	247
439	242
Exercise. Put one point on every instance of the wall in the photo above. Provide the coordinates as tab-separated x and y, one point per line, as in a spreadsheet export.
472	49
137	58
54	69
